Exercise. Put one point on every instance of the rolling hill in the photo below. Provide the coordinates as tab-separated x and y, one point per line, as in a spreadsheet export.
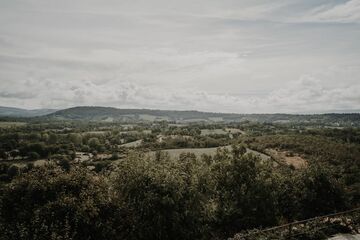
109	114
19	112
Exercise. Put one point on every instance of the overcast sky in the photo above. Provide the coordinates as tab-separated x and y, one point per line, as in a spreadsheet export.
210	55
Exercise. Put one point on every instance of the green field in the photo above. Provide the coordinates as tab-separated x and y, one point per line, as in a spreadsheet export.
175	153
11	124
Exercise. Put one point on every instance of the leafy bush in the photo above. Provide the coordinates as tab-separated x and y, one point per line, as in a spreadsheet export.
48	203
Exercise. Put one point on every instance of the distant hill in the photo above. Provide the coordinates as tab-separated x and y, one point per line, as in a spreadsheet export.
108	114
112	114
19	112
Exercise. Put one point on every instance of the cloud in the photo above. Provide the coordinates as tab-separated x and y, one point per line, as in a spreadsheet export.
348	12
308	94
233	56
17	95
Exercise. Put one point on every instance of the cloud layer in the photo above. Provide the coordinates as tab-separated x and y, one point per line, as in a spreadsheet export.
307	94
227	56
347	12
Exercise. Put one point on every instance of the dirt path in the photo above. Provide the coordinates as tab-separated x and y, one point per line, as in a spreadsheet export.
346	237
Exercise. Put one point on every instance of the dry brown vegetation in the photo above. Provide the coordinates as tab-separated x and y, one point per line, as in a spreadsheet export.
288	158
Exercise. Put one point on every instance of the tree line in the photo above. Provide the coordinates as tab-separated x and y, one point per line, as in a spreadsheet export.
145	197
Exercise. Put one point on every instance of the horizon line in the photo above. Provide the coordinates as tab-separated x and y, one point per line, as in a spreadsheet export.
344	111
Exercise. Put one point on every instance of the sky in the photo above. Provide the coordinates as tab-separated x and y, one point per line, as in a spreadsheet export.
241	56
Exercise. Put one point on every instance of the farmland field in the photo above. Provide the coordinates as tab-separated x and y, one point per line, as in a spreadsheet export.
206	132
11	124
175	153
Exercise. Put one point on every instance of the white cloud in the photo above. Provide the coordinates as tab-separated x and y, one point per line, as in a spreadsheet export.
308	94
234	56
348	12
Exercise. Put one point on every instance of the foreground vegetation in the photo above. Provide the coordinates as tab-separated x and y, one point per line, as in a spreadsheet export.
90	185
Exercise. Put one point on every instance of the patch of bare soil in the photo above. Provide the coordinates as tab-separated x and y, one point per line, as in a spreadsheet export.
288	158
103	156
83	157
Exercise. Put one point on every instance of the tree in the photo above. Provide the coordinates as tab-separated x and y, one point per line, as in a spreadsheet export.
114	156
35	136
322	193
94	143
13	171
53	138
33	156
289	189
49	203
45	137
75	138
245	191
64	164
3	154
38	148
14	154
238	150
160	202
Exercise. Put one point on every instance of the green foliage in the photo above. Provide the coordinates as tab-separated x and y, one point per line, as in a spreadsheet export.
3	154
52	204
246	194
75	138
130	194
310	192
13	171
342	159
322	192
161	197
33	155
52	138
65	164
93	142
